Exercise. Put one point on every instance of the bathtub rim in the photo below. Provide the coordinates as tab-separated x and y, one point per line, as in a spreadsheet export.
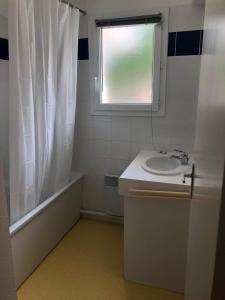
14	228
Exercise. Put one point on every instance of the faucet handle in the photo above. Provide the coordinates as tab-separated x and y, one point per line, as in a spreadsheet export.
181	151
184	156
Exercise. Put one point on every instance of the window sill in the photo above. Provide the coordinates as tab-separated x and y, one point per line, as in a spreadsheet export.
128	112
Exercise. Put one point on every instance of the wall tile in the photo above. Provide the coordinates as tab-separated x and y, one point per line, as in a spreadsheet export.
102	166
118	166
211	48
83	49
3	27
93	196
102	149
138	128
83	90
84	159
172	44
121	129
120	150
83	27
188	43
186	17
161	132
201	40
135	148
102	129
182	94
4	49
83	110
85	129
184	43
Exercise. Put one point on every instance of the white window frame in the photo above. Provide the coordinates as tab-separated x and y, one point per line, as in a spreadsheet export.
159	80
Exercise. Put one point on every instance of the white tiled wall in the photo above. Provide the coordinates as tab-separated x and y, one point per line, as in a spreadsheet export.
108	144
186	17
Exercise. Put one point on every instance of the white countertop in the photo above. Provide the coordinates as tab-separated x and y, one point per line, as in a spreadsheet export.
136	177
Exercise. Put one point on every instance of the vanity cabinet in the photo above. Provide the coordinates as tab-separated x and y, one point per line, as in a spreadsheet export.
156	222
155	241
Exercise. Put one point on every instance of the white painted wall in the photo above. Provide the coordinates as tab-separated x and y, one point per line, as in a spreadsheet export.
105	6
4	104
108	144
3	8
209	165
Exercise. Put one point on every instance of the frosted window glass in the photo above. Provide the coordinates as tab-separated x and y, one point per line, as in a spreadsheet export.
127	64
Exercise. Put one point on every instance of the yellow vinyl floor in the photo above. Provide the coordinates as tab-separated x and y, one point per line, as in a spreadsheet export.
88	265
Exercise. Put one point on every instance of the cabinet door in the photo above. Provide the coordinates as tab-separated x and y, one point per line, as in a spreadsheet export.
155	236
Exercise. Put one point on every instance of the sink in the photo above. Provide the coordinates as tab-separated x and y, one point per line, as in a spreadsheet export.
163	165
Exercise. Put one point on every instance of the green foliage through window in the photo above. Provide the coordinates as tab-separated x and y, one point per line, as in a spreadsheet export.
127	64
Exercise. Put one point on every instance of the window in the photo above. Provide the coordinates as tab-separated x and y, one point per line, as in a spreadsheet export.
127	64
126	61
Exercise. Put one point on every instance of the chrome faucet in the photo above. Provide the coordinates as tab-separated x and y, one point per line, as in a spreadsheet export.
183	157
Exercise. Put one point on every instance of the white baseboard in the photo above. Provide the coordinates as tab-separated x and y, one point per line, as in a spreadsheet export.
100	216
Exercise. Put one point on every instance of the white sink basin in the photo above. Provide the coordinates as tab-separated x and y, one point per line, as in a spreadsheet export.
163	165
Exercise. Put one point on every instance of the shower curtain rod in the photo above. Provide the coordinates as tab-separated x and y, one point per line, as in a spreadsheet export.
83	12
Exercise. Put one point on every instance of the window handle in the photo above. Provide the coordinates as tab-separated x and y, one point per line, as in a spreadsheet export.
96	83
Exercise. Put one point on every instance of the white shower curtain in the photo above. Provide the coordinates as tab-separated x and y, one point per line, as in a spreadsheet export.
43	39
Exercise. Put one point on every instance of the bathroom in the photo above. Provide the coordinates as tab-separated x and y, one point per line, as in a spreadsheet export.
102	222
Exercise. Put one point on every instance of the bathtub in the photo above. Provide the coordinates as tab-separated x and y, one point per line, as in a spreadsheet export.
37	233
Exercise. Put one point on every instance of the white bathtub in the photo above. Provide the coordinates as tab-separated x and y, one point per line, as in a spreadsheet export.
37	233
